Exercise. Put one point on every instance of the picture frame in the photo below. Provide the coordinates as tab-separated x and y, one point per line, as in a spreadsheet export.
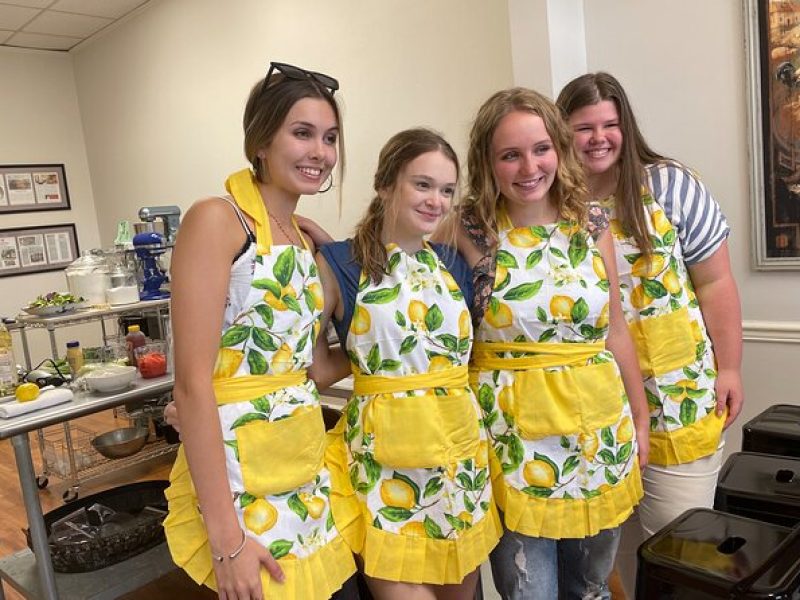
37	249
28	188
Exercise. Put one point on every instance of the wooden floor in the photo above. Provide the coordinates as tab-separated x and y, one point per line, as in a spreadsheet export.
13	523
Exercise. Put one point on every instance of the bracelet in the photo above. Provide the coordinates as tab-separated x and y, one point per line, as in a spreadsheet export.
235	553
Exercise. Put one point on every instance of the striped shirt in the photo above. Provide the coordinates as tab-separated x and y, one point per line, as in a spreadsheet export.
688	204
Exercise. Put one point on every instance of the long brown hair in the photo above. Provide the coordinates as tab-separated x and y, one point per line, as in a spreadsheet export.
368	248
569	189
593	88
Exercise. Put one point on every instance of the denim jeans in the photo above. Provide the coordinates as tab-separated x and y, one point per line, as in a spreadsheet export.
531	568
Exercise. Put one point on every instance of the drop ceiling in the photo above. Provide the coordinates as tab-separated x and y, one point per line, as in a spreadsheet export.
58	25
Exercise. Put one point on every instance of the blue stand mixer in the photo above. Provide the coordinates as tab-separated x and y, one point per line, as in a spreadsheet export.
149	247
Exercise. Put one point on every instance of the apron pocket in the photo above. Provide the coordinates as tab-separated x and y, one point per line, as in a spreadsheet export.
601	392
665	343
427	431
279	456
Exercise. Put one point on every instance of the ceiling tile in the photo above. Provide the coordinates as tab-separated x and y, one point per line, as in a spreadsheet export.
113	9
14	17
31	3
58	23
44	42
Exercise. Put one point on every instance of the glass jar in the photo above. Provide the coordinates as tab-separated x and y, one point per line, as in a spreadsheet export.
88	277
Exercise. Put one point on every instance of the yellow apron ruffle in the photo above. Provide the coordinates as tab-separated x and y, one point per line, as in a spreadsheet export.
346	508
411	559
314	577
555	518
687	444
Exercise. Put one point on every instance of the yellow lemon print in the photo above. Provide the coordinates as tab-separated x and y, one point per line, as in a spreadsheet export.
450	282
439	363
648	268
315	290
661	223
314	504
506	399
602	320
26	392
589	445
671	282
228	361
465	516
482	457
625	430
639	297
599	267
464	324
500	318
561	307
569	229
523	237
416	312
397	493
690	292
697	333
260	516
684	384
414	529
282	360
500	276
361	321
539	473
277	303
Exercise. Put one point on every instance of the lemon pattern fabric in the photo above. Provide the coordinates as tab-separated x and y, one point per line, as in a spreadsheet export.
272	429
675	352
411	472
564	447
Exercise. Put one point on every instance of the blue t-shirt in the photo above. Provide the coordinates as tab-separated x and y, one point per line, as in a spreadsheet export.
348	272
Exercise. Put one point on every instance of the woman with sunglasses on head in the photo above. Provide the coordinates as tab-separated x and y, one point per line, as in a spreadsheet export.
679	298
410	492
249	511
550	356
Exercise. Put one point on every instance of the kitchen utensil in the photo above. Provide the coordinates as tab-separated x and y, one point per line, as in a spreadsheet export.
119	443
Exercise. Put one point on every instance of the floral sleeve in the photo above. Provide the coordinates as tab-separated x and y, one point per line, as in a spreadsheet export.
598	220
483	270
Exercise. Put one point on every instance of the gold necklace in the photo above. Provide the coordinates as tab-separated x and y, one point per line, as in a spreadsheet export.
283	231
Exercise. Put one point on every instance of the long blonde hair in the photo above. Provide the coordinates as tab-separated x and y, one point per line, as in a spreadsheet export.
368	248
569	189
593	88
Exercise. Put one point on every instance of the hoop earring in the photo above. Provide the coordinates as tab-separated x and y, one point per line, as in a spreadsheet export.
330	185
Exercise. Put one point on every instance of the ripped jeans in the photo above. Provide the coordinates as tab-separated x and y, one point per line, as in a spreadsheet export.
530	568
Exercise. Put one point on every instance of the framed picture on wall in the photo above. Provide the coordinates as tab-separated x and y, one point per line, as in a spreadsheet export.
26	188
36	249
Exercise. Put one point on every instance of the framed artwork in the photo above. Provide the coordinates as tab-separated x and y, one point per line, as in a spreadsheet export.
26	188
36	249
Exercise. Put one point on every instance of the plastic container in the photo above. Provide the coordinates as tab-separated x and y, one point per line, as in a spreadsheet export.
705	554
8	365
151	359
774	431
134	339
74	357
760	486
88	276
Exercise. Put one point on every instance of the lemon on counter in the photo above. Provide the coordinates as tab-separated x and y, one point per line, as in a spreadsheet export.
26	392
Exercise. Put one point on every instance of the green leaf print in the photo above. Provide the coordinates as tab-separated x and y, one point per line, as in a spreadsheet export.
653	423
408	345
607	436
577	249
382	295
480	479
606	457
570	465
280	548
395	514
233	445
533	259
351	410
309	298
257	363
671	390
580	310
688	411
248	418
410	482
449	341
235	335
297	506
538	492
590	493
246	500
710	373
284	267
547	334
669	237
588	332
541	314
264	340
432	529
372	469
485	397
292	304
374	358
267	284
259	259
565	443
557	252
624	452
389	364
500	285
261	404
399	318
466	481
506	259
516	452
652	399
352	433
674	304
671	420
394	260
266	314
524	291
363	283
603	285
463	345
468	504
610	477
549	461
329	521
696	394
632	258
654	289
540	232
691	374
434	318
432	487
426	259
456	523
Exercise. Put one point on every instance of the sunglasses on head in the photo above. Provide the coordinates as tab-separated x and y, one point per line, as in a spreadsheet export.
292	72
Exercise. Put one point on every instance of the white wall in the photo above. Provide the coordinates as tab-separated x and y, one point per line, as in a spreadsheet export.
162	95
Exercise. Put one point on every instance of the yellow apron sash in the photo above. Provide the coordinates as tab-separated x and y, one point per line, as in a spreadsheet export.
424	431
546	355
237	389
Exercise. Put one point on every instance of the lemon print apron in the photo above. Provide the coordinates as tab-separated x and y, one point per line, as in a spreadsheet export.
271	422
564	462
411	486
675	353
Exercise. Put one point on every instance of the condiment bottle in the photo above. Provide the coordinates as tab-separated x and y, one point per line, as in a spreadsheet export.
133	340
8	366
74	357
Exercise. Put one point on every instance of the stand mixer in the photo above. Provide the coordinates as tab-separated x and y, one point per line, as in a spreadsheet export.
150	246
